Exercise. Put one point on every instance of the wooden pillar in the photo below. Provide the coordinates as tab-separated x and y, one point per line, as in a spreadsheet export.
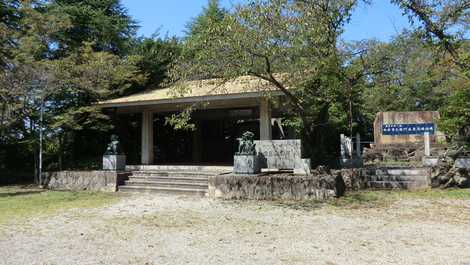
265	127
147	138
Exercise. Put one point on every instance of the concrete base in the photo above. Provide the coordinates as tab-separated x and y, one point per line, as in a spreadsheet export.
462	162
114	162
245	164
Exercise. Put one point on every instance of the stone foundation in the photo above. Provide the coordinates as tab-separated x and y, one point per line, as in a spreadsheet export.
278	186
354	178
106	181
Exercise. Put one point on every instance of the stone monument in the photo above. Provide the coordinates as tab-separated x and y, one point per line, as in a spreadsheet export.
114	158
282	154
245	160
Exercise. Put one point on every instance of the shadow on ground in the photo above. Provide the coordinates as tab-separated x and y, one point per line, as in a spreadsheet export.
19	190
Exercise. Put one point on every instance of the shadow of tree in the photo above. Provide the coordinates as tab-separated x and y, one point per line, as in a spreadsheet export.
19	190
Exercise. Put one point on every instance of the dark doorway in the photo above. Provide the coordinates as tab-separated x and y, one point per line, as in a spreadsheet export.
215	139
171	146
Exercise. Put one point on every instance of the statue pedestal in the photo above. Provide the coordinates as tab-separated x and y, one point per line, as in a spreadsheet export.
245	164
114	162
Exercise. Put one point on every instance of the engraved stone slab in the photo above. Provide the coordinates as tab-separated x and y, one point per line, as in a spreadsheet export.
281	154
114	162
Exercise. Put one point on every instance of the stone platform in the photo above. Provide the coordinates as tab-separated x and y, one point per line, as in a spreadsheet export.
266	186
99	180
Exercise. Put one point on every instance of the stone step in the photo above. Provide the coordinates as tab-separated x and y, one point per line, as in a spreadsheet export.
187	168
175	173
422	178
170	179
163	190
152	183
397	184
398	171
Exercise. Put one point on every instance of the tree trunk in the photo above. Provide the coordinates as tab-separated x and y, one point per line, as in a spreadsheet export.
61	150
2	120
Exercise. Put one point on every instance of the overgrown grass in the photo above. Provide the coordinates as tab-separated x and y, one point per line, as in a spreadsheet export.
23	202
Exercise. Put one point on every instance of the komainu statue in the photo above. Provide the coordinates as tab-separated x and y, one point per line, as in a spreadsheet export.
114	147
246	146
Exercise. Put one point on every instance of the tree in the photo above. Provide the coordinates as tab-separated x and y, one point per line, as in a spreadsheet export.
64	86
9	17
456	115
85	78
105	23
201	32
443	23
200	26
290	44
408	75
26	76
157	54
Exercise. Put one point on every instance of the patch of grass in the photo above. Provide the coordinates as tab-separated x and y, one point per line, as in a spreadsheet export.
453	194
384	198
364	199
377	199
23	202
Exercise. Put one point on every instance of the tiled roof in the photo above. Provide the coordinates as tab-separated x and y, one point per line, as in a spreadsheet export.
196	90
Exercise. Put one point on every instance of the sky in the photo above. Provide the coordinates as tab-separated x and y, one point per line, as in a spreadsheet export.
381	20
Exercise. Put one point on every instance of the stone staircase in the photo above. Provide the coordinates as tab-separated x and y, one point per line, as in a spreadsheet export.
171	179
398	178
168	182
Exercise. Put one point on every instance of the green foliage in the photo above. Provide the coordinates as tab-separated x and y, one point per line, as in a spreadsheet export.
408	75
433	69
201	26
181	121
443	23
66	55
290	44
85	78
64	74
9	17
157	54
202	32
455	115
105	23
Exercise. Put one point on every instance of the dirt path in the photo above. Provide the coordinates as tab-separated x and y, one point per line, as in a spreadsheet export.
149	229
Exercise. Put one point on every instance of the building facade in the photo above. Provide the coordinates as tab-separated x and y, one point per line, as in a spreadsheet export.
220	113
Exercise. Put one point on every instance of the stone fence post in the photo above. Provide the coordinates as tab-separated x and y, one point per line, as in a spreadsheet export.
427	144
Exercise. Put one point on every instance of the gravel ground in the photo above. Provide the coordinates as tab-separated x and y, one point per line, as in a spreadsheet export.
157	229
